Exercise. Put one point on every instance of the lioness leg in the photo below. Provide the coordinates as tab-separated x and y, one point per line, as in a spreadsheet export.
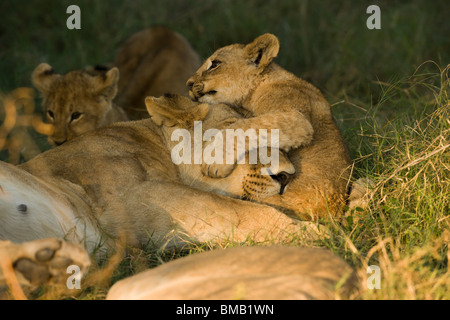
193	215
33	208
274	272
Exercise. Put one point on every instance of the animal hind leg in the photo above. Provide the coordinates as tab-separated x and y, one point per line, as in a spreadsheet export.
204	216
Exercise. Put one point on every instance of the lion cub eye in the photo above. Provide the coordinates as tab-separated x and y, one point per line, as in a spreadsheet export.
50	114
214	64
75	116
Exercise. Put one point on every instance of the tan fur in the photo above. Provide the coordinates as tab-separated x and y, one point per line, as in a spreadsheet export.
246	181
244	273
77	102
245	76
119	181
153	62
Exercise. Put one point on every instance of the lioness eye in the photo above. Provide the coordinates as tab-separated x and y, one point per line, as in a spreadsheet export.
214	64
51	114
75	116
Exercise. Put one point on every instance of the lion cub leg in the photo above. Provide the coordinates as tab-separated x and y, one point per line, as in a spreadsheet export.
39	262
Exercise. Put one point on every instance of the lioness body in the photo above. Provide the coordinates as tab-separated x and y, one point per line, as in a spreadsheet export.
245	76
153	62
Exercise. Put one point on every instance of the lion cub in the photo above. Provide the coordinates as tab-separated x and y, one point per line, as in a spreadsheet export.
245	76
78	101
175	114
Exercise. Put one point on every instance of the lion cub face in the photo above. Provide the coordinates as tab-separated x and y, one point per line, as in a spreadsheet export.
76	102
233	72
173	112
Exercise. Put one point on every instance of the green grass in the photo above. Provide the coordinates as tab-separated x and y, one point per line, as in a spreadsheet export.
388	89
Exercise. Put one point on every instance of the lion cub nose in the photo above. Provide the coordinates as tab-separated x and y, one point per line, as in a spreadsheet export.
59	142
283	178
190	84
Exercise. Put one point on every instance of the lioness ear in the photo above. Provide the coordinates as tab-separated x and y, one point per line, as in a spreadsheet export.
263	49
43	77
160	114
106	84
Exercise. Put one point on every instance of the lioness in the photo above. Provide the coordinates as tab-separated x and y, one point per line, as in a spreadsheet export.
77	102
245	77
119	181
153	62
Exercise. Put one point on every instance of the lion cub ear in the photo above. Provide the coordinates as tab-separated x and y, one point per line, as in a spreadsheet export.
263	49
160	114
106	84
43	78
163	114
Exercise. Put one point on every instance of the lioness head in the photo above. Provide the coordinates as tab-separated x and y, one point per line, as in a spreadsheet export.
247	181
232	72
76	102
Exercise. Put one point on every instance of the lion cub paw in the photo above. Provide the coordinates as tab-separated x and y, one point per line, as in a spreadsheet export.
217	170
46	261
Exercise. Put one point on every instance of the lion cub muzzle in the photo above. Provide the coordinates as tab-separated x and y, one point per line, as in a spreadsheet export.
196	90
283	178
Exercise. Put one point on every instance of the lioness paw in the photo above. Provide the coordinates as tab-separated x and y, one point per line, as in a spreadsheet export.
46	261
